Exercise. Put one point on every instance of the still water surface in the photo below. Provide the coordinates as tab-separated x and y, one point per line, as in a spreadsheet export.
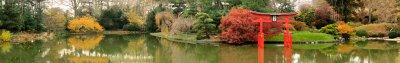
144	48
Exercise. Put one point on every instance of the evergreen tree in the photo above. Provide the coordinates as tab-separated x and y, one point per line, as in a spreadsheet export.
204	26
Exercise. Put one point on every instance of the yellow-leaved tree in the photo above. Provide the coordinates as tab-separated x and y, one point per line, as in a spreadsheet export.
134	18
84	24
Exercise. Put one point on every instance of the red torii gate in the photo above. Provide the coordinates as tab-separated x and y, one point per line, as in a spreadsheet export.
266	17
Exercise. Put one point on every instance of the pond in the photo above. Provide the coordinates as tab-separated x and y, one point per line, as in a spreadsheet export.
144	48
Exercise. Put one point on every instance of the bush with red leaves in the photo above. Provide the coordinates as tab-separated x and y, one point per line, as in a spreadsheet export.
238	27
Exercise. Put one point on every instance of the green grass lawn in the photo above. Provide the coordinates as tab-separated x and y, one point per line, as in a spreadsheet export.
298	36
303	36
311	46
184	36
178	36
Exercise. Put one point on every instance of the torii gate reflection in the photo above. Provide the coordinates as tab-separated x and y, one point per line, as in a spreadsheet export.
266	17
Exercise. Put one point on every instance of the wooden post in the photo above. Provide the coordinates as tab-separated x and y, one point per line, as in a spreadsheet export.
261	44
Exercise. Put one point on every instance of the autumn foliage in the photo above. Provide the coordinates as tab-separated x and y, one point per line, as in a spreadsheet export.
164	21
343	28
84	24
237	27
134	18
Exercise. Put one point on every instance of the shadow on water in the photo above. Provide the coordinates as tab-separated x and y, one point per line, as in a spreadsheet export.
144	48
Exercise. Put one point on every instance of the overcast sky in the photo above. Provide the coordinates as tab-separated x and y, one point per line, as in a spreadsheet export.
57	3
299	2
64	5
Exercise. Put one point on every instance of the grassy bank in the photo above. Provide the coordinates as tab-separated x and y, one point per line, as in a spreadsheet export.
21	37
302	36
186	38
297	37
176	36
115	32
312	46
121	32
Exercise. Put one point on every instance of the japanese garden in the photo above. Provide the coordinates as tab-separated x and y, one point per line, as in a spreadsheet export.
199	31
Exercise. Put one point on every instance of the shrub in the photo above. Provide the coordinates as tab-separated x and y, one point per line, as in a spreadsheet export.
323	14
375	30
330	29
344	29
113	19
322	23
299	26
5	35
84	24
354	24
238	27
307	17
393	34
164	21
204	26
304	7
362	33
182	25
150	24
132	27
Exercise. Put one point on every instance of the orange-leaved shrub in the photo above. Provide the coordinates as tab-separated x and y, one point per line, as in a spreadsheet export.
344	29
84	24
238	27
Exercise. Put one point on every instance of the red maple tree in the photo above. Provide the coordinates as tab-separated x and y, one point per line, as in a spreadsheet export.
238	27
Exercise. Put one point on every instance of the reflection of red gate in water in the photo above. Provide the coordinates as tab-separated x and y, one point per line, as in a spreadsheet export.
266	17
288	54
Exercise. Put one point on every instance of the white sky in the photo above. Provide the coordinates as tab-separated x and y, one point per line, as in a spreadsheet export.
64	5
299	2
58	4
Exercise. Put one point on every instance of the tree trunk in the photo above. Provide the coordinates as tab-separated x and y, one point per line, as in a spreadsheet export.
219	4
369	17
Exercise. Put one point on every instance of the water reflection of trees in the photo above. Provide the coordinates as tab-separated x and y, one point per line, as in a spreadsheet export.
175	52
5	47
144	48
352	52
88	59
85	42
198	53
242	54
21	53
135	46
50	51
114	44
